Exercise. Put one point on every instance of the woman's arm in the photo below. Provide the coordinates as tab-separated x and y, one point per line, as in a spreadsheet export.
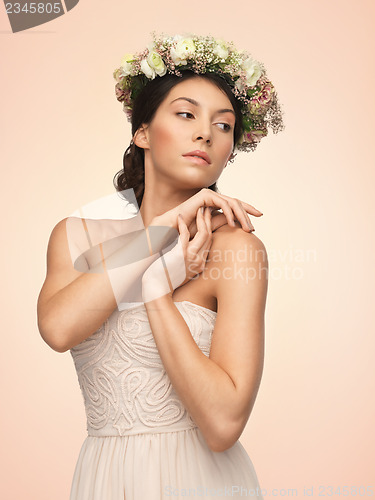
219	392
76	300
72	303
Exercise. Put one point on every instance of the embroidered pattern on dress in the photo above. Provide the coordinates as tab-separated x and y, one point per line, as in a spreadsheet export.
121	375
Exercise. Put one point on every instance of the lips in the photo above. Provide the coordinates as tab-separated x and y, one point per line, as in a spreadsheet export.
200	154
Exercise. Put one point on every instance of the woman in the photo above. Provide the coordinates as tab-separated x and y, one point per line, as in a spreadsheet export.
169	382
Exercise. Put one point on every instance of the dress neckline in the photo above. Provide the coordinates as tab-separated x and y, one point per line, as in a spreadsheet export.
176	302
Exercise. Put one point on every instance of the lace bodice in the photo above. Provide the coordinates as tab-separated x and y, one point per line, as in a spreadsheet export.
125	387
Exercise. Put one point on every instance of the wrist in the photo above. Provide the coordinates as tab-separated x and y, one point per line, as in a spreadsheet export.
155	283
159	304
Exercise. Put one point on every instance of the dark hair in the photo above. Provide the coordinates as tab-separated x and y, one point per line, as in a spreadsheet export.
132	175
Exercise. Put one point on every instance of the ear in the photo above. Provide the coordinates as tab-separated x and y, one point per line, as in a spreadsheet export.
140	138
230	158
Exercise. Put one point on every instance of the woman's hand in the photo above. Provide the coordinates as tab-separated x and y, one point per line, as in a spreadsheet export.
183	262
218	219
233	209
197	249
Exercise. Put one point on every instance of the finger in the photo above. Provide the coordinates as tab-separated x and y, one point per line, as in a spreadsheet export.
191	228
239	212
217	200
184	235
207	222
247	218
208	219
249	208
231	208
201	235
201	257
202	254
198	248
209	228
183	230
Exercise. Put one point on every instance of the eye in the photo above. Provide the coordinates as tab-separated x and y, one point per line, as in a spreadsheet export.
185	113
228	127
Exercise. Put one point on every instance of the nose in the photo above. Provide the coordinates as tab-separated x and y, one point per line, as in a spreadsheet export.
204	133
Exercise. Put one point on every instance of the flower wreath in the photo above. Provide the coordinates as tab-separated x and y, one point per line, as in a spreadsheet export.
202	54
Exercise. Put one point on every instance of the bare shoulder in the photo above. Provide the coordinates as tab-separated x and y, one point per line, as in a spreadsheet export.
59	245
228	237
63	247
59	231
236	257
58	236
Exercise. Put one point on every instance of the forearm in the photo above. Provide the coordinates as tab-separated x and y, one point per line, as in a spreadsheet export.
205	389
130	248
77	310
80	308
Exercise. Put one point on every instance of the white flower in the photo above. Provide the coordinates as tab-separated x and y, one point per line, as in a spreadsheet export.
239	84
185	48
156	63
147	70
253	71
221	50
125	65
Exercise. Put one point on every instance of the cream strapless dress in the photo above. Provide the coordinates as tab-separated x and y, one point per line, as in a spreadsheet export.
142	444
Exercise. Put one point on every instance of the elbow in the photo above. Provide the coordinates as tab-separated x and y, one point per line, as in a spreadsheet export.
220	446
59	348
51	337
224	437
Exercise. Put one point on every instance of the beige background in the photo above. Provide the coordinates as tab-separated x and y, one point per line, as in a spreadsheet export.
64	135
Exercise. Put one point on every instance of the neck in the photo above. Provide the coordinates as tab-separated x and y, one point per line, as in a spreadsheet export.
163	193
158	200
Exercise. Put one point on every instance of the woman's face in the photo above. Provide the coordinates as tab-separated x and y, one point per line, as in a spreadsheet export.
195	115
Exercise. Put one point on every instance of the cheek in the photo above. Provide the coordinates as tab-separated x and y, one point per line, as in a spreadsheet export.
162	137
226	145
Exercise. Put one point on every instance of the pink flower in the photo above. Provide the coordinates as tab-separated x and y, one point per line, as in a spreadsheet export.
262	99
120	94
123	95
255	135
116	75
127	97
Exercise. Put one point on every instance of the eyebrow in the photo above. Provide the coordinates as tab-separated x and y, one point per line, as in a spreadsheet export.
193	101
